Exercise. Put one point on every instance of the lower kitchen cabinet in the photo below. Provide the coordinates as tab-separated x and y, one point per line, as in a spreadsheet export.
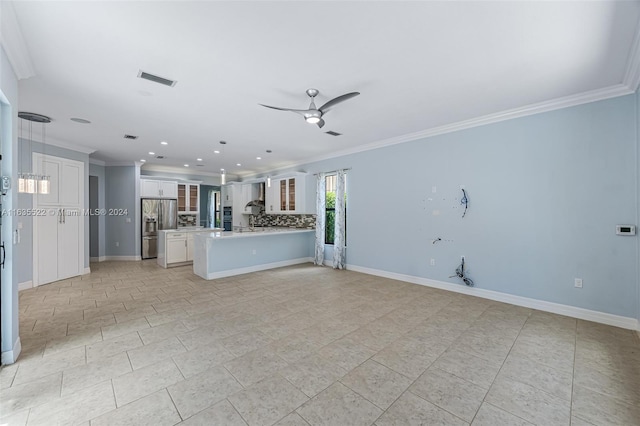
176	248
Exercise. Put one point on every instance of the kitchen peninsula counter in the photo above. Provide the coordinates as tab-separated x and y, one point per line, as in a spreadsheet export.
220	254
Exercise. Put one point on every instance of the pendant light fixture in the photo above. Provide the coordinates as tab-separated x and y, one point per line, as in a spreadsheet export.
223	177
31	183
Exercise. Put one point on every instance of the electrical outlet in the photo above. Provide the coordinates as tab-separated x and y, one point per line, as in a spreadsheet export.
433	262
578	283
127	220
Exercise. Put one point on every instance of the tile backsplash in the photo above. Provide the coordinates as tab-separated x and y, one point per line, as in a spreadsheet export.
187	220
291	220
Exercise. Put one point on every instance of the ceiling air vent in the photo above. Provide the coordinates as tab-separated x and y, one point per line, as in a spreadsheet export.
160	157
157	79
332	133
130	137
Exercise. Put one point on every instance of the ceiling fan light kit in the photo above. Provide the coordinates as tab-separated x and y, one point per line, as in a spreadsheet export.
313	115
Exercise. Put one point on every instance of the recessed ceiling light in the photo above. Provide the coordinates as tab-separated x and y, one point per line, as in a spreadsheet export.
186	165
238	164
216	152
152	153
164	143
198	159
142	160
80	120
258	158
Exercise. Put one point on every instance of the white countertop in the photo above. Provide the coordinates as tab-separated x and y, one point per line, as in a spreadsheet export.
189	229
259	232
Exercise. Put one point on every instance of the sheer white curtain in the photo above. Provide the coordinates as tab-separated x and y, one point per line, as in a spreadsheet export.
320	218
339	248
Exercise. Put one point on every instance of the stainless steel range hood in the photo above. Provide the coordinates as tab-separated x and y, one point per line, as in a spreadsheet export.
259	202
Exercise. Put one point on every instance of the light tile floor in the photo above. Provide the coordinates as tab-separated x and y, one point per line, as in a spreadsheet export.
133	344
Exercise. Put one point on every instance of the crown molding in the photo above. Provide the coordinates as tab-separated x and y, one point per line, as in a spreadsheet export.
537	108
632	74
97	162
69	145
120	163
13	42
182	171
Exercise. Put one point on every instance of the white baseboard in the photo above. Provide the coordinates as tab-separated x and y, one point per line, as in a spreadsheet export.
98	259
86	271
256	268
25	285
556	308
122	258
9	357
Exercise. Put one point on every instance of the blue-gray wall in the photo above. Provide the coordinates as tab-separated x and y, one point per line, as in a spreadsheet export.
121	193
25	201
545	193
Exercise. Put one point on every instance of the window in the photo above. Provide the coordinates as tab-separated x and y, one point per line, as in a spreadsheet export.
330	209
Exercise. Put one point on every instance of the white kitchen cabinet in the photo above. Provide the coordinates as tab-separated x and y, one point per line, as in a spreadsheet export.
188	198
158	188
176	248
286	196
58	236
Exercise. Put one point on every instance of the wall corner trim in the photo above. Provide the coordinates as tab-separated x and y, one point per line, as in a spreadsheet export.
86	271
556	308
9	357
25	285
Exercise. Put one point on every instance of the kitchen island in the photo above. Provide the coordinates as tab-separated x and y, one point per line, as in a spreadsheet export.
222	254
175	246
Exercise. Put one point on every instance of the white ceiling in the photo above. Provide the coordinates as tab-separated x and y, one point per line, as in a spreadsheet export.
418	66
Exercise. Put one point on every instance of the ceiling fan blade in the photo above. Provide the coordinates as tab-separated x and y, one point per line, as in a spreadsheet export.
321	123
337	100
297	111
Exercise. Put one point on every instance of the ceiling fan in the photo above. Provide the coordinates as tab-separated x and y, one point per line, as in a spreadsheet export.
313	115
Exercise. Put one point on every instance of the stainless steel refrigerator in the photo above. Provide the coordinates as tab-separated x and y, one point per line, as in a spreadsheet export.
157	214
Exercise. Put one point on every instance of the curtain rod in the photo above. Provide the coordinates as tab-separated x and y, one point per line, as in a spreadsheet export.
332	171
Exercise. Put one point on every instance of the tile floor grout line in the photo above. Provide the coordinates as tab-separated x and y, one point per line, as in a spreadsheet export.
500	369
573	371
174	403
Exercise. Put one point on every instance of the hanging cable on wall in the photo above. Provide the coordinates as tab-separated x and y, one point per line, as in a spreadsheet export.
460	273
464	201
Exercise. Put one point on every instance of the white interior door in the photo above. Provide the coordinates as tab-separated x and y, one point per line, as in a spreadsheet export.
68	247
50	167
46	248
71	179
